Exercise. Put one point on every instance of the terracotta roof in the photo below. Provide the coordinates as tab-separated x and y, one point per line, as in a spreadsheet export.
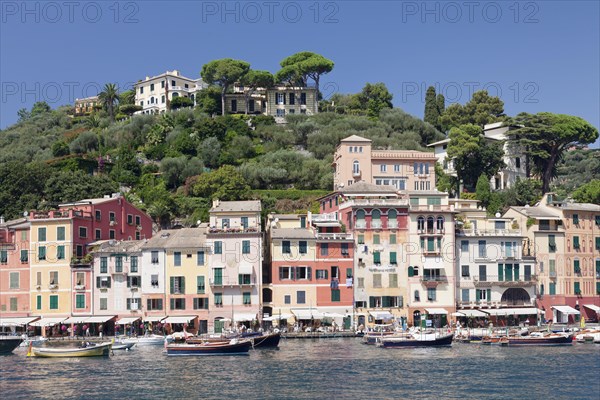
365	187
356	138
536	212
178	239
117	246
579	206
292	233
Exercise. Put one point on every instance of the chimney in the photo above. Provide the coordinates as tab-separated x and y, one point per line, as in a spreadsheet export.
2	219
216	203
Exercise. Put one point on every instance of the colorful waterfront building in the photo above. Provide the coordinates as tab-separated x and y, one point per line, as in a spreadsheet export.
311	270
496	275
564	237
116	281
377	216
431	259
356	160
14	268
61	269
235	237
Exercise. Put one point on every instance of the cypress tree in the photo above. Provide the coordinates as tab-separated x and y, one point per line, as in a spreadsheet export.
431	108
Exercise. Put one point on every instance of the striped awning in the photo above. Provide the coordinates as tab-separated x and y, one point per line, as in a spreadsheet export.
48	321
127	320
17	321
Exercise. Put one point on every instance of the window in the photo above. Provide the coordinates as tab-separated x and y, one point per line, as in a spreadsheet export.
360	282
304	273
301	297
482	249
154	257
324	249
465	295
3	257
177	285
322	274
200	286
280	98
335	272
118	263
60	252
393	259
111	217
218	247
285	247
482	273
54	302
575	219
24	256
302	247
82	232
286	273
431	294
303	99
80	301
218	299
200	258
111	234
38	302
134	281
154	304
440	223
383	168
244	279
355	168
393	280
361	239
421	223
417	296
576	267
376	258
60	233
98	234
292	99
376	239
577	287
245	247
80	278
133	304
42	253
598	243
177	259
376	219
177	304
42	234
551	243
464	270
287	299
134	264
335	295
576	244
376	280
14	280
393	238
552	289
103	265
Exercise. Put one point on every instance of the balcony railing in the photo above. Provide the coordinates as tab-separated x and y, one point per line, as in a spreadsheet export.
431	231
432	207
488	232
375	202
233	230
383	267
334	236
491	280
221	283
54	214
329	217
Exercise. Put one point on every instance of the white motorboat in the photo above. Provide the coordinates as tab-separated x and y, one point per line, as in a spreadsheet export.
146	340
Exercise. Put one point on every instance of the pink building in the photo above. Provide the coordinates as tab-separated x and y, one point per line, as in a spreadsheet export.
14	268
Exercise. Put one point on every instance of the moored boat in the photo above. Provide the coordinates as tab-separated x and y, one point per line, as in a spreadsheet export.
8	344
541	340
146	340
269	340
416	340
89	350
122	345
231	347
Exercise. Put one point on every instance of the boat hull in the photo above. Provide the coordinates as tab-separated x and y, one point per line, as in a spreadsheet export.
209	349
266	341
154	340
100	350
442	341
562	340
122	346
8	344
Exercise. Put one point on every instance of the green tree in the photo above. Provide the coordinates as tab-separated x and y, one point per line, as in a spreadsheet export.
482	109
588	193
22	187
86	142
209	152
109	97
483	190
431	107
181	102
441	108
224	72
66	186
298	68
60	149
375	97
209	100
40	107
546	136
126	169
23	114
127	98
473	155
225	183
129	109
253	80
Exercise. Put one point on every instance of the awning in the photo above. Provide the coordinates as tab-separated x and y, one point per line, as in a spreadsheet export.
241	317
48	321
99	319
471	313
76	320
245	268
436	311
127	320
277	317
566	310
333	315
17	321
154	318
592	307
385	315
307	314
512	311
183	319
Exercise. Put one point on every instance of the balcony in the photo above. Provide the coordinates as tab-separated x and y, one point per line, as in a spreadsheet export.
329	217
432	207
431	231
383	268
53	286
334	236
334	284
490	280
79	287
488	232
375	202
434	252
392	224
552	274
230	283
356	174
233	230
56	214
433	280
119	271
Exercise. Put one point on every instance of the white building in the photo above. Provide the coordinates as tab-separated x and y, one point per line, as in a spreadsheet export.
155	93
154	277
513	156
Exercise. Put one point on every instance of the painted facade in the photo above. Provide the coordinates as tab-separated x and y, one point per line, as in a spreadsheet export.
155	93
278	101
14	268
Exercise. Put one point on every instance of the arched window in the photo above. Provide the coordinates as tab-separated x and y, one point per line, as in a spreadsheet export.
175	94
430	223
411	272
376	219
417	296
355	167
440	223
421	223
392	218
360	219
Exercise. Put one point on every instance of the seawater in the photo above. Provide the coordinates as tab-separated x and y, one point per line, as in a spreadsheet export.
314	369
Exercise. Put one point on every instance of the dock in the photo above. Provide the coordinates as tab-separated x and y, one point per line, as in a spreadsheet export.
318	335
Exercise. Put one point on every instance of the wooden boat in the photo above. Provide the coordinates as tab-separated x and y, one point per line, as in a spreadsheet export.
90	350
541	340
146	340
269	340
429	340
122	345
232	347
8	344
373	338
493	340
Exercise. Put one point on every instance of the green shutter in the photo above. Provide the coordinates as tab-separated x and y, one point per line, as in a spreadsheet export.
597	287
516	272
577	288
182	285
411	272
393	238
172	280
598	243
377	257
509	274
576	267
39	302
489	295
552	288
576	242
201	287
393	257
500	272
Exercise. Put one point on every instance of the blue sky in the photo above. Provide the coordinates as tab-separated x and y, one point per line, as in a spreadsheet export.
538	55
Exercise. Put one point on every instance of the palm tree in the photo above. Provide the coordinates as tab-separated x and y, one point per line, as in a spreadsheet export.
109	97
